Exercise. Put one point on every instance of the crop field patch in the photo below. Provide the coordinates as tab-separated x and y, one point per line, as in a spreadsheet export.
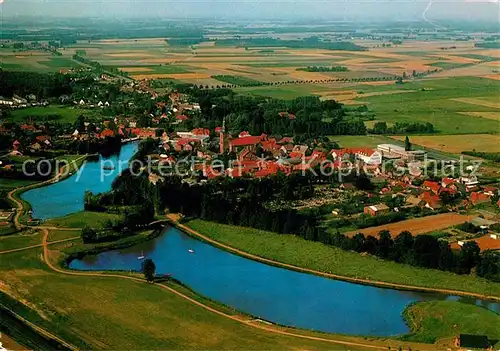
179	76
485	243
416	226
455	144
489	115
479	102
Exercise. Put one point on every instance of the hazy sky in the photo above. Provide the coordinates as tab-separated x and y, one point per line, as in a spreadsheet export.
258	9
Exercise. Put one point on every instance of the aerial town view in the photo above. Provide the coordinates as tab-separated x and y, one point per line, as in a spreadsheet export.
235	175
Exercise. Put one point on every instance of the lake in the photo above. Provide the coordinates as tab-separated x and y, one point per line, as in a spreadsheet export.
66	196
279	295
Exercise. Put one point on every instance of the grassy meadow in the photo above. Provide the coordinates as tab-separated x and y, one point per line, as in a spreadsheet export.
82	219
296	251
58	113
426	321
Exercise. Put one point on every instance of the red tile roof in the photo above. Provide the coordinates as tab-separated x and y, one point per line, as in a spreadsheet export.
181	117
447	181
434	186
107	133
200	131
285	140
246	141
353	151
477	198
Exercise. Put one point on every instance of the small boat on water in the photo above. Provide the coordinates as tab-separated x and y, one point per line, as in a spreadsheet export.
141	257
108	168
191	251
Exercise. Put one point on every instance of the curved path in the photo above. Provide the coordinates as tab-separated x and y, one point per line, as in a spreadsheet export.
324	274
239	319
19	205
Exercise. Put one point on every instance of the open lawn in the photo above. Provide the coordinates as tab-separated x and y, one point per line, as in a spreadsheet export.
82	219
313	255
65	114
455	144
426	320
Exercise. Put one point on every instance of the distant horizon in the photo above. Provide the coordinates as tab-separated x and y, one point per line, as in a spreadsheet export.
260	10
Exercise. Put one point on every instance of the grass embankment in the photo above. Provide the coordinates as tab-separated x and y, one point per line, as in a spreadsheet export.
116	313
433	320
296	251
82	219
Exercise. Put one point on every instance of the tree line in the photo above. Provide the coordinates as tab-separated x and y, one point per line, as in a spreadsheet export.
402	127
324	69
423	251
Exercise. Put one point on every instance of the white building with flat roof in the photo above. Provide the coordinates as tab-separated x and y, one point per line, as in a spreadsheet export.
392	151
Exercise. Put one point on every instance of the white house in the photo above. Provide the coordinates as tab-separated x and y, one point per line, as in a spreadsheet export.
4	101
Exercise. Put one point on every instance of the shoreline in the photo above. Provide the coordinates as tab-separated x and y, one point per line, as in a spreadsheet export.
380	284
21	205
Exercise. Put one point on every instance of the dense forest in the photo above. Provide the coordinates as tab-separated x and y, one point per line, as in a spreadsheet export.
259	115
43	85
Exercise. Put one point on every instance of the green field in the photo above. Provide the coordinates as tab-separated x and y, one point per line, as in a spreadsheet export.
426	320
61	62
360	140
447	65
63	114
10	184
429	100
82	219
38	62
20	240
313	255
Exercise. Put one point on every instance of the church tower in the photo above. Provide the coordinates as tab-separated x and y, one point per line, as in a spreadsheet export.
222	137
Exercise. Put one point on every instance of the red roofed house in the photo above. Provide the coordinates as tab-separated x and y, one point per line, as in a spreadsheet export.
285	140
490	190
247	141
181	117
201	131
447	181
106	133
431	200
367	155
479	198
28	127
433	186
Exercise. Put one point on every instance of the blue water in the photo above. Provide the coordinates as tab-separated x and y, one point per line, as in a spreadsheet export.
275	294
66	197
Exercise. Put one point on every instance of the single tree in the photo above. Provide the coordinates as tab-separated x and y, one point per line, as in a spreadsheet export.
88	235
407	144
149	269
